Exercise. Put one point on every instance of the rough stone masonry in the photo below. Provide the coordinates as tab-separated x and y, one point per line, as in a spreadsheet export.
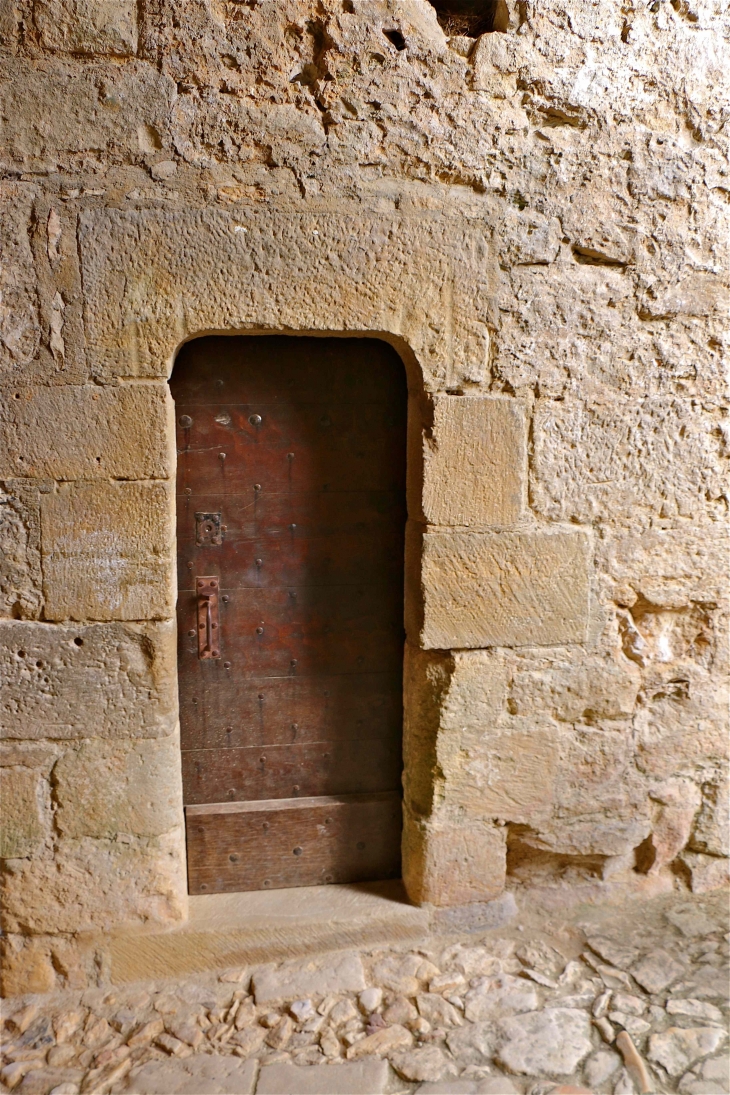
537	220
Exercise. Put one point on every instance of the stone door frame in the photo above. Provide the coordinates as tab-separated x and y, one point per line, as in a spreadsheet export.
481	571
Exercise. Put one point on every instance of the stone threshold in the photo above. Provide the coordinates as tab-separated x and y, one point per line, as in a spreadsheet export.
238	929
243	929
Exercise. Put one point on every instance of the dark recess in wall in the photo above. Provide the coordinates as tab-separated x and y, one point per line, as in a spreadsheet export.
471	17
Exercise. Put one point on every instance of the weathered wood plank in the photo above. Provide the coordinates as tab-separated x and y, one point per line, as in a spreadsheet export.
267	710
304	842
288	770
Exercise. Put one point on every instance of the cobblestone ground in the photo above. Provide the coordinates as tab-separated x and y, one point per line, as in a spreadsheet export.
619	1000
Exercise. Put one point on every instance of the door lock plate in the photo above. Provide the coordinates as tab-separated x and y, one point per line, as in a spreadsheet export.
208	530
209	641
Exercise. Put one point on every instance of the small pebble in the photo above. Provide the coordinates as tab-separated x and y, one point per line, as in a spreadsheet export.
301	1010
370	1000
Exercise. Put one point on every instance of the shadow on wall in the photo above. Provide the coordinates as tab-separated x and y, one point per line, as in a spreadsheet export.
471	17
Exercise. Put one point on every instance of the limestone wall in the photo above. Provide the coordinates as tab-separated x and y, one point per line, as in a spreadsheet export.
537	220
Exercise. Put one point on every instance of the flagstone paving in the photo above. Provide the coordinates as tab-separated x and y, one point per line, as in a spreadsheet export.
607	1000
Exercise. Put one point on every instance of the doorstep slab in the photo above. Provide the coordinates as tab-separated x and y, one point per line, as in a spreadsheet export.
239	929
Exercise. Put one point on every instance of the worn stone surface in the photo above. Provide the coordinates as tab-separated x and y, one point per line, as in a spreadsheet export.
102	789
308	978
706	872
87	26
92	884
251	263
486	440
86	432
452	861
552	1042
503	589
596	690
21	813
100	680
206	1033
677	1048
206	1075
19	319
356	1077
107	551
20	556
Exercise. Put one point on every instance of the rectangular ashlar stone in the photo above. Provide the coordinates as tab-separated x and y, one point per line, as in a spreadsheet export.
93	884
21	595
21	823
154	278
87	432
88	26
19	322
310	977
107	551
507	588
507	772
599	688
76	118
475	462
106	788
102	680
451	859
443	693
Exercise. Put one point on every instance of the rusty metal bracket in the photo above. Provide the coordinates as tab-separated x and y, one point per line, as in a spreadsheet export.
209	644
208	530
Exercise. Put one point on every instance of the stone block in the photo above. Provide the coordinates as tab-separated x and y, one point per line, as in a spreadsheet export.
313	977
103	788
96	884
78	109
655	457
475	462
101	680
595	689
712	829
453	860
26	966
671	566
477	691
194	1076
88	27
28	754
21	821
480	916
108	551
527	236
507	772
706	872
443	694
368	1077
21	595
87	432
526	588
426	681
19	322
153	278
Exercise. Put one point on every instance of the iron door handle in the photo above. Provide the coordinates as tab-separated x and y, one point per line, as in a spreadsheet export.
209	639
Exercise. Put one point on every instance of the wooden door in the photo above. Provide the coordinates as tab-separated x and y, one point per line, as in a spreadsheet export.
291	516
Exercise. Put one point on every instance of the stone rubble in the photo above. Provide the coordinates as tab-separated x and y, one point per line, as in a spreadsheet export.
390	1020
